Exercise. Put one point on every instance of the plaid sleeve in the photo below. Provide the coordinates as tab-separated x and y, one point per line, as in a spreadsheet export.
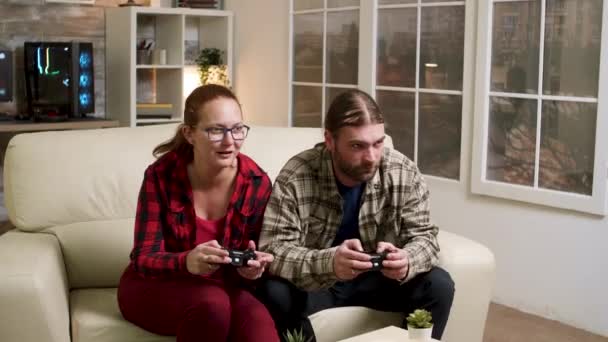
417	230
148	255
309	269
258	199
262	194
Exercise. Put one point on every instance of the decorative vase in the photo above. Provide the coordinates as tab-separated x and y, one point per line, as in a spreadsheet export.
417	334
215	74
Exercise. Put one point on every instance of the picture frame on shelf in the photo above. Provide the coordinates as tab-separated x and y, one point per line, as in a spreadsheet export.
191	51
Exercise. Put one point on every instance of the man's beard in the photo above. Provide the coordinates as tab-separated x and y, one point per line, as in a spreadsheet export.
360	173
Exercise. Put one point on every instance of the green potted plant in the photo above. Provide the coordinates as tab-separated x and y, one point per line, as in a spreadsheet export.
420	325
211	68
296	336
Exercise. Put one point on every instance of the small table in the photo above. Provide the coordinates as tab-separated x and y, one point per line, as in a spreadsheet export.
388	334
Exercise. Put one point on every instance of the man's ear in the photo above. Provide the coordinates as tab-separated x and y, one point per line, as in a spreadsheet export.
329	141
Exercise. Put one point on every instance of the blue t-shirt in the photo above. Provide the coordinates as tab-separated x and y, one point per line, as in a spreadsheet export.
349	227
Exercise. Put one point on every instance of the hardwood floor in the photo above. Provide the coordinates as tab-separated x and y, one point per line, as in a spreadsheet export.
505	324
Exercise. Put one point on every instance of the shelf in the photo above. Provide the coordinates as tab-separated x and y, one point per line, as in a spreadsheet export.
181	11
156	121
158	66
182	33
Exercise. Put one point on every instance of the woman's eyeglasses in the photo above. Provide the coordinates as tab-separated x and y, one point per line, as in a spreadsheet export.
216	134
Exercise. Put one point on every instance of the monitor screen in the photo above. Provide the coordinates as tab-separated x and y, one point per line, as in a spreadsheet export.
48	71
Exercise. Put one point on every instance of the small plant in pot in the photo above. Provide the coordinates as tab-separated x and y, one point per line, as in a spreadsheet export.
211	69
419	325
296	336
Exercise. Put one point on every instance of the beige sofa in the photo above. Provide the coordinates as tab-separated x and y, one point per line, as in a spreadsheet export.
72	197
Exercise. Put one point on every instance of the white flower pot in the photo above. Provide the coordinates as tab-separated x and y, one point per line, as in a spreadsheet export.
416	334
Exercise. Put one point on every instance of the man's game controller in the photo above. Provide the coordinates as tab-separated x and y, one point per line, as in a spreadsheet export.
240	258
376	259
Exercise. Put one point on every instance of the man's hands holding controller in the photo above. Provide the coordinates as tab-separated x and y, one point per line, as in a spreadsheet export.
350	260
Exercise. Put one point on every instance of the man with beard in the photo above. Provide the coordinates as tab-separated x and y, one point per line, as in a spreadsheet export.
334	204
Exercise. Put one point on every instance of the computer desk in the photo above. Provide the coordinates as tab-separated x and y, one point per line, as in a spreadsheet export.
14	126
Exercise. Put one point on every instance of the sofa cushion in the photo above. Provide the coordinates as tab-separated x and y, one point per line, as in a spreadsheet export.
95	317
73	186
271	148
95	253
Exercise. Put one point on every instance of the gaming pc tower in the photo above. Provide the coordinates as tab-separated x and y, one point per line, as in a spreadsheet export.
59	80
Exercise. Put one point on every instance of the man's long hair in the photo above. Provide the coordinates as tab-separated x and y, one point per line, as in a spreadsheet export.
352	108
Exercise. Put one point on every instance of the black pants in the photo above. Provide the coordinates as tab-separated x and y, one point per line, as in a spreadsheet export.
290	306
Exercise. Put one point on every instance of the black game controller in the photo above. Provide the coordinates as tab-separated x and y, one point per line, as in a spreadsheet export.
240	258
376	260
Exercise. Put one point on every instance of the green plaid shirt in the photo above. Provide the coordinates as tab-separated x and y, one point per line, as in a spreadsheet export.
305	210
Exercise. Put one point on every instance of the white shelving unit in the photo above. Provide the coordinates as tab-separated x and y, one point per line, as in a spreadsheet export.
182	32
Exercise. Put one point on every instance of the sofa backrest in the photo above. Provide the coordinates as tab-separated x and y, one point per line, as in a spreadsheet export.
82	186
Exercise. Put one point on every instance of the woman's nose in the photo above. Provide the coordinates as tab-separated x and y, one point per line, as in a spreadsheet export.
227	138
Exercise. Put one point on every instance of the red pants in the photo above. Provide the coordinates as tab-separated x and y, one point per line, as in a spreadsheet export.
194	309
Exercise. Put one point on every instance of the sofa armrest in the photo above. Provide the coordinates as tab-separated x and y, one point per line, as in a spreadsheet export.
33	289
472	267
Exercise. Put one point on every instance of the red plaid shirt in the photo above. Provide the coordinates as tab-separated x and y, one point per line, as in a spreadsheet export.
165	223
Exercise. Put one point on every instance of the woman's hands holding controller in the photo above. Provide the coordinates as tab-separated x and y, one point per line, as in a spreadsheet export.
206	258
255	268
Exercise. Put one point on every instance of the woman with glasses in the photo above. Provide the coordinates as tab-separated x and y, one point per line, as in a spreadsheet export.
198	201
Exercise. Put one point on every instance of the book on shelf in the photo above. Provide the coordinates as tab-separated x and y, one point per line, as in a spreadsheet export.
213	4
154	110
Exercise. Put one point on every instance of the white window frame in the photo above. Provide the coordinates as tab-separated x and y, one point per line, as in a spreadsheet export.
596	203
467	70
368	30
323	85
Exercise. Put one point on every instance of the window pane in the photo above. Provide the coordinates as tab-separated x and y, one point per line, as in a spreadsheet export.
342	47
396	64
308	47
307	106
330	95
398	110
440	121
299	5
511	140
342	3
515	47
395	2
572	47
567	146
442	47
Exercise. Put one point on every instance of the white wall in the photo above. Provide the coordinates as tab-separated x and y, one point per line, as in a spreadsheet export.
261	39
550	262
553	263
